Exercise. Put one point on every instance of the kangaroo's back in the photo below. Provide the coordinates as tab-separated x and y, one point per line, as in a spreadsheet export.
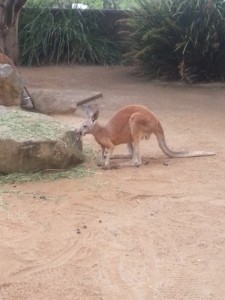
118	126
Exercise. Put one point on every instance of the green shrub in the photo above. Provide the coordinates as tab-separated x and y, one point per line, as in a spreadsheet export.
49	35
175	39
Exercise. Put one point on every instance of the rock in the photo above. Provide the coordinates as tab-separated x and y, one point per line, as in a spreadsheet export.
30	142
3	108
11	86
49	102
64	101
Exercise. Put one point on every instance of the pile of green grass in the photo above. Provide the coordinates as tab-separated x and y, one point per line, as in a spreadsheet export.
23	125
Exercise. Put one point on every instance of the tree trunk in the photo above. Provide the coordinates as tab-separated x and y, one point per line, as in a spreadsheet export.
9	17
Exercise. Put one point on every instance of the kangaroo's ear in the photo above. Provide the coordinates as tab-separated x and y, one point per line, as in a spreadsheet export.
95	115
88	111
91	114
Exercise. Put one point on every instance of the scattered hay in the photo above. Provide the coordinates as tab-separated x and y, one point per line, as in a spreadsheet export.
48	175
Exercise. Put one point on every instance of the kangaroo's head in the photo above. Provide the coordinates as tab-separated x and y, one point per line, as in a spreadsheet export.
88	125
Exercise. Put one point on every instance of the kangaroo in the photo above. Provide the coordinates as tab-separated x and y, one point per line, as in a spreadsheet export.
129	125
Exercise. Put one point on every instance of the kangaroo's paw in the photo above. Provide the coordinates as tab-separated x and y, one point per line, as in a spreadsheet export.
129	164
100	163
105	168
111	167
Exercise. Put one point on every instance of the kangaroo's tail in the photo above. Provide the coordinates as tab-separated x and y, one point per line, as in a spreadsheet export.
170	153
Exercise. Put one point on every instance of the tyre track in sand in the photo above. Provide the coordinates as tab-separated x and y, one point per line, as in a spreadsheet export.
58	260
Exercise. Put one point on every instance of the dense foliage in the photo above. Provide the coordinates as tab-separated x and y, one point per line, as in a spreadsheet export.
49	35
179	39
92	4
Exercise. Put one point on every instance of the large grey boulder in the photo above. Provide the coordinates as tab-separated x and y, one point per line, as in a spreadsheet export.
11	86
32	142
63	101
52	102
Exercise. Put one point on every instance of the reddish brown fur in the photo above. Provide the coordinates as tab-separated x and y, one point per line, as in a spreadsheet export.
133	116
128	126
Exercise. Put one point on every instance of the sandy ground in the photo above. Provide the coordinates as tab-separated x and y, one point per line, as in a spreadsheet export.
153	232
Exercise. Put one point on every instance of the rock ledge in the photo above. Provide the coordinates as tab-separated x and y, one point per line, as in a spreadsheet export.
31	142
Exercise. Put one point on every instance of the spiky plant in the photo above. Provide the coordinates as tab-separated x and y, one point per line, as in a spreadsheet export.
49	35
179	39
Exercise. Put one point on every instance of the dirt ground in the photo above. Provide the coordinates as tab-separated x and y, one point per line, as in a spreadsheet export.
153	232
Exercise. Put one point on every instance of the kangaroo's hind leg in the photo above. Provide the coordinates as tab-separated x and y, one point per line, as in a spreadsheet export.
136	160
129	153
137	132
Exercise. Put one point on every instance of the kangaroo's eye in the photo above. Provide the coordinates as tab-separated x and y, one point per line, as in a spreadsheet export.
85	126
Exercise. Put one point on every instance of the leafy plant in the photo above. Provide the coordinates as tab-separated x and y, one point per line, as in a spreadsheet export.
70	36
174	39
93	4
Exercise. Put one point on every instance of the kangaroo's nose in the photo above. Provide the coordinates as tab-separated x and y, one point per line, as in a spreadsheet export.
78	134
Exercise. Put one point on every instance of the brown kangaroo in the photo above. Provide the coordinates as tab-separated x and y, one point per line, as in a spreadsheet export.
129	125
